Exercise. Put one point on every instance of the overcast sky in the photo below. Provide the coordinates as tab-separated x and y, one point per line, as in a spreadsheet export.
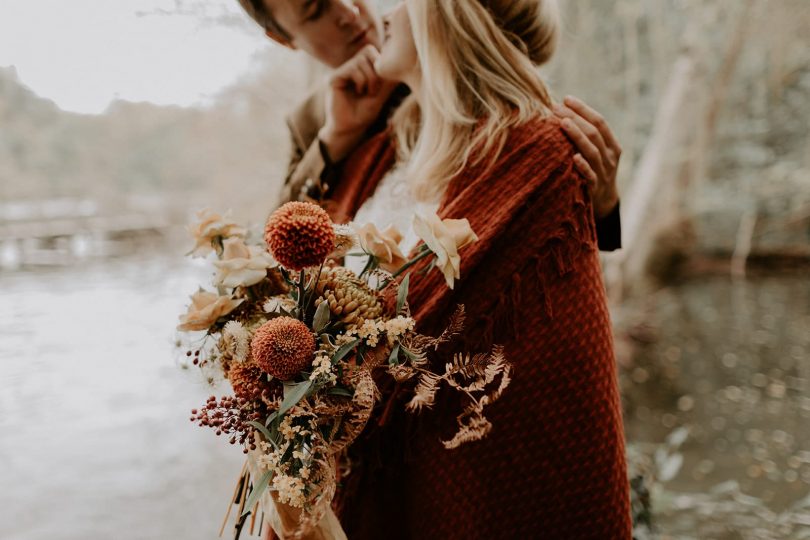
84	53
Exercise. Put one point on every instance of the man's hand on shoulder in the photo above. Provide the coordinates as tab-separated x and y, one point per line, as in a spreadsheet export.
355	99
599	152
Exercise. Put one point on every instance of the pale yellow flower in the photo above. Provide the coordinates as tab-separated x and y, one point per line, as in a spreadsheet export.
241	264
206	307
445	237
210	226
383	245
276	303
345	240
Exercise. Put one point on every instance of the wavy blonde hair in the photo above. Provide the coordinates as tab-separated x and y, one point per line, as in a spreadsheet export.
479	77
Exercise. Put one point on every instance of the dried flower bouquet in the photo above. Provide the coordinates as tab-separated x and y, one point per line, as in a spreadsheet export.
301	339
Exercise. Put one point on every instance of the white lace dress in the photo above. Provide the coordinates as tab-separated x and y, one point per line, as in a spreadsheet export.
391	204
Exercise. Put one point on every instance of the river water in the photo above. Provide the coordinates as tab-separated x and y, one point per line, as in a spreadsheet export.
94	403
96	441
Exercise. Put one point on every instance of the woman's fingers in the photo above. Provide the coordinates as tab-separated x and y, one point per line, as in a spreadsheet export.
596	120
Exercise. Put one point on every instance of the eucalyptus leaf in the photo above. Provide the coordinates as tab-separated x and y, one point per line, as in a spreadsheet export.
361	354
270	418
293	393
257	491
338	391
393	358
402	293
263	430
408	353
321	319
344	350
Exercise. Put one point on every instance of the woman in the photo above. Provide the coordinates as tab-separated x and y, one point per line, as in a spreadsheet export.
476	140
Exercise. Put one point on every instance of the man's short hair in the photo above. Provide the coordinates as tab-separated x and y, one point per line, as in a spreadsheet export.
259	13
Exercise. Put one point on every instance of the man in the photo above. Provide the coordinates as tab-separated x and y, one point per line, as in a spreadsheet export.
346	35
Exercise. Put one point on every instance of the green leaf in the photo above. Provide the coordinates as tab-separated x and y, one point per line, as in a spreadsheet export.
393	358
338	391
321	319
409	354
293	393
271	418
264	431
286	275
344	350
257	491
402	293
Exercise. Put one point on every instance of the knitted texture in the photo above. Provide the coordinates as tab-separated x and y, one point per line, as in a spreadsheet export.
553	465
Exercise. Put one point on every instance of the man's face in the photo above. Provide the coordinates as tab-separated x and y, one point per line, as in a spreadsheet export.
332	31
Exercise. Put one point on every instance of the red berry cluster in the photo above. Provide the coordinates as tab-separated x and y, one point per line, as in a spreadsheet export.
228	416
196	361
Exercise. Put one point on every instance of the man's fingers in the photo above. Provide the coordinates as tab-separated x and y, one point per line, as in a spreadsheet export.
595	119
586	171
592	133
584	144
585	127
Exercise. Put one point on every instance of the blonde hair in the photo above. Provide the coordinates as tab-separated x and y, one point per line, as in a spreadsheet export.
478	61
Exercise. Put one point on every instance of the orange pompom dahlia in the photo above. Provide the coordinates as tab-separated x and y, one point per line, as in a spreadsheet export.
300	235
283	347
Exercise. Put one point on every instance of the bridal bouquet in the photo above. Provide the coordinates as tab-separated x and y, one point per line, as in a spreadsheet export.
301	338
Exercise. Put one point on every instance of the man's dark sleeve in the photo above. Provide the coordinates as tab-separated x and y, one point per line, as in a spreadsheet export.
609	231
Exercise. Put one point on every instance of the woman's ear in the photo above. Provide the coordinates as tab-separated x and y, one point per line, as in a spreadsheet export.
280	39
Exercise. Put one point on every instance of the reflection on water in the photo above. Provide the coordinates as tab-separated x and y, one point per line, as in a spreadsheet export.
731	361
96	441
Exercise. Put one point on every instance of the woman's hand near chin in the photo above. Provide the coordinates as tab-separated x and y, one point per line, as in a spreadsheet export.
599	152
355	99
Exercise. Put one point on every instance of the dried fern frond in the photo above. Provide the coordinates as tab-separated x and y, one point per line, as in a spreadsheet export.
425	392
468	366
401	372
454	327
418	344
502	367
473	426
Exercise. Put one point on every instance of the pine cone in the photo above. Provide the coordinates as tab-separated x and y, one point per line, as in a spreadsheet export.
350	299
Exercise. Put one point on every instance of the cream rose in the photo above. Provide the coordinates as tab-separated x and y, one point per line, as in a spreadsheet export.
345	240
206	307
445	237
383	245
210	226
241	264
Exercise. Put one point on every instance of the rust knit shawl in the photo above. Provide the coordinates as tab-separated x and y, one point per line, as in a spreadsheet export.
553	465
